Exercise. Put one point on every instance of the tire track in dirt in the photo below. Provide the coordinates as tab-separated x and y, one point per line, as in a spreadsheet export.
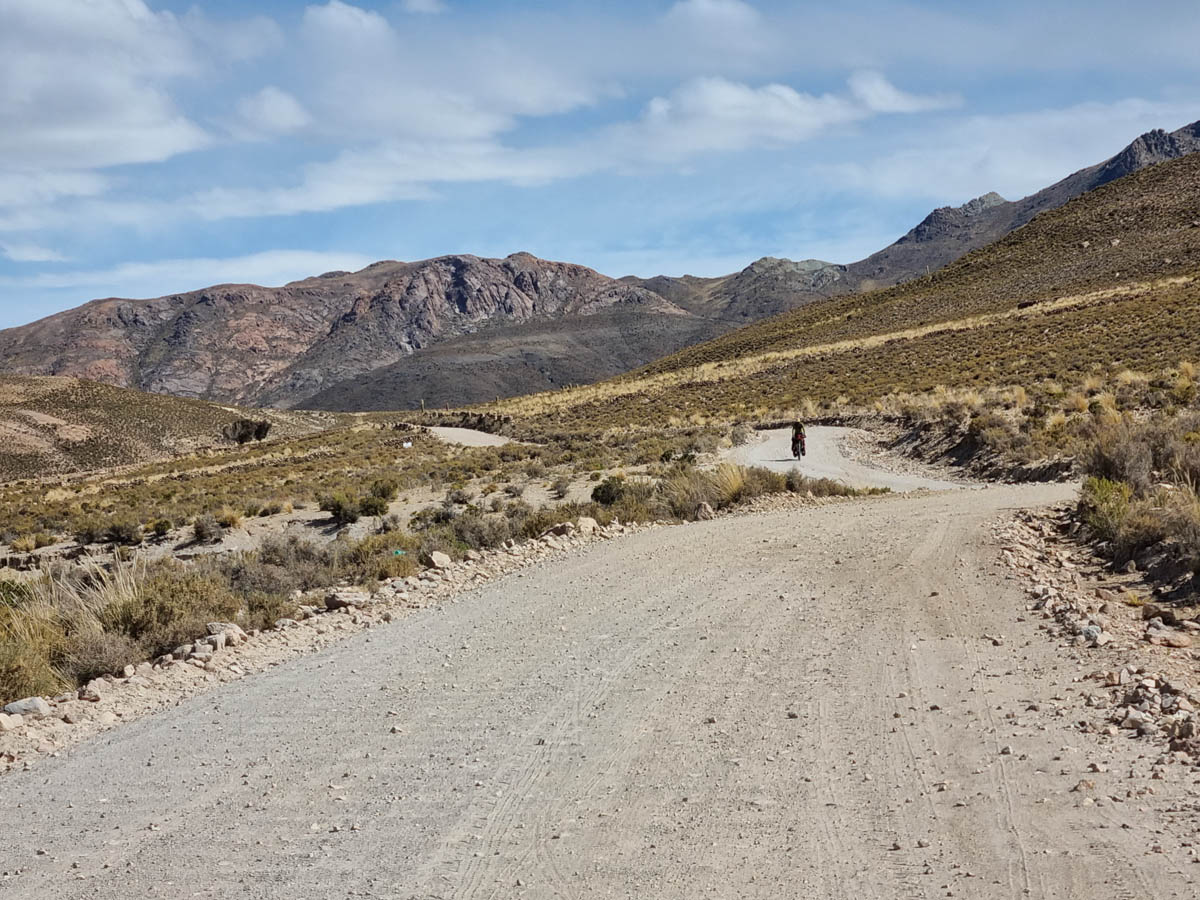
719	713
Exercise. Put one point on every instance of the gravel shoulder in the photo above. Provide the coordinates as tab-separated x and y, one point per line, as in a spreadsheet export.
799	702
825	459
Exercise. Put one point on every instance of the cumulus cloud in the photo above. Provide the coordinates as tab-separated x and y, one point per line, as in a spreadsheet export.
702	116
365	75
716	114
84	84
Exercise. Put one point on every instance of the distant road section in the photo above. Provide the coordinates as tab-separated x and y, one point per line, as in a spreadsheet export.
469	437
826	460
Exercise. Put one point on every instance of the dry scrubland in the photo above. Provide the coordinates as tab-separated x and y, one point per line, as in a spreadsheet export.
52	425
78	619
1066	345
1105	283
1067	338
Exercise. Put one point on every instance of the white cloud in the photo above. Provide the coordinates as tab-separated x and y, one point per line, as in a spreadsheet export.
359	77
248	39
730	30
878	94
1015	154
702	116
272	111
25	252
709	114
84	84
152	279
427	7
40	188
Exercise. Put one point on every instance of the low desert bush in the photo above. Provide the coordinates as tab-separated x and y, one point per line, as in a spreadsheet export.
23	544
609	491
123	531
206	529
385	489
822	487
1103	505
89	531
1120	454
372	505
343	509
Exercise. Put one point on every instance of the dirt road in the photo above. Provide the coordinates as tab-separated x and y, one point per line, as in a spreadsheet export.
824	459
468	437
780	705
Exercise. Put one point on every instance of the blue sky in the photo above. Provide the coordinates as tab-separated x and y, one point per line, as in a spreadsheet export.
148	148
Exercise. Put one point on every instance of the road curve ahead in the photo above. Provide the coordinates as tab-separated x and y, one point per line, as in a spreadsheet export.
773	450
788	704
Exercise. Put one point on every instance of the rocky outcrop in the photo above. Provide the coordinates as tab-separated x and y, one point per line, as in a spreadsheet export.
276	346
949	232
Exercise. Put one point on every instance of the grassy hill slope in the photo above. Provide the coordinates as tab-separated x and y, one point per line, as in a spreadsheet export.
57	425
1107	281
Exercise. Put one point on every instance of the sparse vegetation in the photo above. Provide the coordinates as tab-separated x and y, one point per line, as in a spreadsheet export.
206	529
1140	500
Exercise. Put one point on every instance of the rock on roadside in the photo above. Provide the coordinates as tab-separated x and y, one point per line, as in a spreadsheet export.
30	707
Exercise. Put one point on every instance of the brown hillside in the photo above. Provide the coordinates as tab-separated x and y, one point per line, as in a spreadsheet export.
1107	281
58	425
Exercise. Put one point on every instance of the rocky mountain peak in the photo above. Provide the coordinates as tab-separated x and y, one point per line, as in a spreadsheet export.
979	204
947	220
1153	147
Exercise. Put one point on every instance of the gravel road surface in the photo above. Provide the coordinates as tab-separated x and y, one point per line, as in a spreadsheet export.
468	437
785	704
824	459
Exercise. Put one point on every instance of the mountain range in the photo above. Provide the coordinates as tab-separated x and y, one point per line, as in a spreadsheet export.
462	329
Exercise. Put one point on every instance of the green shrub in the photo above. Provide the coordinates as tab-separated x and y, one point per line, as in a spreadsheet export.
372	505
1103	505
609	491
341	508
123	531
170	606
89	531
206	529
162	527
385	489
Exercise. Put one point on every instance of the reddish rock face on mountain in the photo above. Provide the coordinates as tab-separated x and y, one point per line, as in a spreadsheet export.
279	345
